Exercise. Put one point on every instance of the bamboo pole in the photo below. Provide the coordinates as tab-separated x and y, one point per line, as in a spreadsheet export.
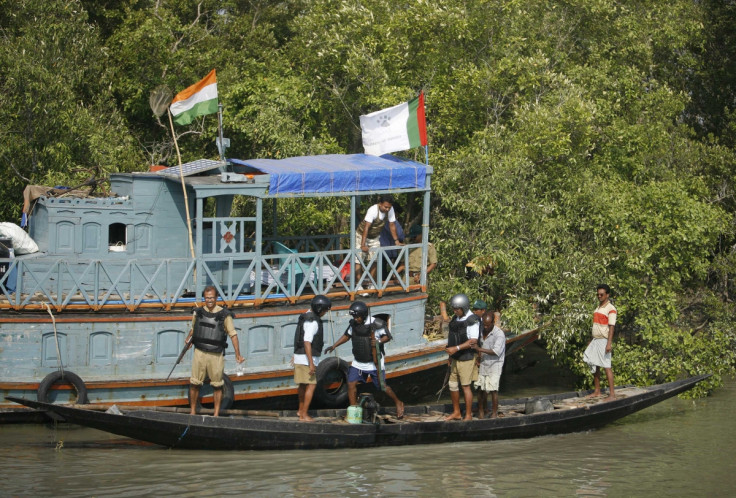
174	409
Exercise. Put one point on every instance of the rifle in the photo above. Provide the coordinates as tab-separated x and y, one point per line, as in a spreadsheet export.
187	344
446	381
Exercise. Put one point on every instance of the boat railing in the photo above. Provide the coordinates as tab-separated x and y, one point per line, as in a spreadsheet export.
245	279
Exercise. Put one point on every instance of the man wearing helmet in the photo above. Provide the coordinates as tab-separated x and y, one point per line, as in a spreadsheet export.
308	342
463	335
364	331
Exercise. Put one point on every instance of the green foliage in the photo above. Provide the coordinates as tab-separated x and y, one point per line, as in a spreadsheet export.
573	142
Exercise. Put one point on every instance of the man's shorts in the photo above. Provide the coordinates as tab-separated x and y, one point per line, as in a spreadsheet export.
206	364
490	382
301	375
462	372
371	243
355	375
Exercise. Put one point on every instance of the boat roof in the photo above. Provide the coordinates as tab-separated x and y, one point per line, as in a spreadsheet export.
329	174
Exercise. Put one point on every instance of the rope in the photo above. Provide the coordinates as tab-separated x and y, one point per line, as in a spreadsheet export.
182	436
332	333
56	338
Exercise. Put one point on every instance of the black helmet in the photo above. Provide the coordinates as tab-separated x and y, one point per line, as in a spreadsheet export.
321	303
460	301
358	309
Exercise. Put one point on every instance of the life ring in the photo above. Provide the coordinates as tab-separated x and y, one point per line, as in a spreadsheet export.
228	394
65	377
329	372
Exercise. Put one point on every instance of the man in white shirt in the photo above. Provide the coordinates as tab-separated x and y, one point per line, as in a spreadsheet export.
368	232
308	342
364	331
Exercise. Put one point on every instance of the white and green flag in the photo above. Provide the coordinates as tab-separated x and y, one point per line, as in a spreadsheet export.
397	128
197	100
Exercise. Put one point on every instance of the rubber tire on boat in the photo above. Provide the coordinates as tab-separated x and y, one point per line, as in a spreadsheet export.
67	377
228	394
339	397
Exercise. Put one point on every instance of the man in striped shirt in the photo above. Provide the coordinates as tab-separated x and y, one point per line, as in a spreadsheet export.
598	353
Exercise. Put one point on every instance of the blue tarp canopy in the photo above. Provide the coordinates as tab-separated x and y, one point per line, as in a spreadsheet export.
335	173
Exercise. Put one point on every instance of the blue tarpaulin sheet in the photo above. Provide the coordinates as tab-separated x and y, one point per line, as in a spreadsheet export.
335	173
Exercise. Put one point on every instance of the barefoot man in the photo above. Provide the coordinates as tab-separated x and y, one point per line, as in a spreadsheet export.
492	349
464	332
308	342
364	331
598	353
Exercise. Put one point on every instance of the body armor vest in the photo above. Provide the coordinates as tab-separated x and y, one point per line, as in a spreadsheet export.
317	340
459	335
362	333
209	330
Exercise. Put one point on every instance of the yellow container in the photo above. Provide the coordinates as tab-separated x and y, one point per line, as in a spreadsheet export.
355	414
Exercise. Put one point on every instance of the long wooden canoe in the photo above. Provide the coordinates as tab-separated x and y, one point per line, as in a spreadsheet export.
568	412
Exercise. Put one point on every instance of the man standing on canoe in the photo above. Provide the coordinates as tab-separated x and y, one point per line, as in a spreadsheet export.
492	349
308	342
464	332
364	332
598	353
210	327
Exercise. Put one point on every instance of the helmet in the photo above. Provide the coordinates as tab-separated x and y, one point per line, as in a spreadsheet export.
460	301
358	309
320	303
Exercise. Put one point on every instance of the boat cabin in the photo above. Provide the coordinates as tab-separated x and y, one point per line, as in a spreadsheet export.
163	236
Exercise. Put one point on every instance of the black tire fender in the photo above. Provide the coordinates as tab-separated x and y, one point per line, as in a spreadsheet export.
329	371
228	394
65	377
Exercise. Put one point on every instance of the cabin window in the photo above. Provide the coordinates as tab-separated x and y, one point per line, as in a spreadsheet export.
100	348
117	238
260	339
287	335
169	344
49	356
91	238
64	237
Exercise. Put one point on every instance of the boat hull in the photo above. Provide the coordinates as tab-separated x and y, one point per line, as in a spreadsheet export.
251	433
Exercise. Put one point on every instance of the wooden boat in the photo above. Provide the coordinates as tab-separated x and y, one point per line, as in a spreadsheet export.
101	311
569	412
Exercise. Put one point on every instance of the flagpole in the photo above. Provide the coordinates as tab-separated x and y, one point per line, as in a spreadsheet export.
183	187
219	120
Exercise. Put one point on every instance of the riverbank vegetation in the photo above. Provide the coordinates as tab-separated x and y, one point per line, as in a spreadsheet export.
573	142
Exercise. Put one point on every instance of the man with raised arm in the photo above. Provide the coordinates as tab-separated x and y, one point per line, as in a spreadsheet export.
364	331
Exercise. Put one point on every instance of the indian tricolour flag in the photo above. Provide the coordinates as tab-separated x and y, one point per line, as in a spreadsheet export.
397	128
197	100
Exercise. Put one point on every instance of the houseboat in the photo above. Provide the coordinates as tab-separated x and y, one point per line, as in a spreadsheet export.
100	312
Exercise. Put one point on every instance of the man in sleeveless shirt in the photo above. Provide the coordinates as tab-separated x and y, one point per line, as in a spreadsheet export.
210	327
598	353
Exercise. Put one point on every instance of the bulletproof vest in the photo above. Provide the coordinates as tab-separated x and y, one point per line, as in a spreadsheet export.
209	330
459	335
362	341
317	340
